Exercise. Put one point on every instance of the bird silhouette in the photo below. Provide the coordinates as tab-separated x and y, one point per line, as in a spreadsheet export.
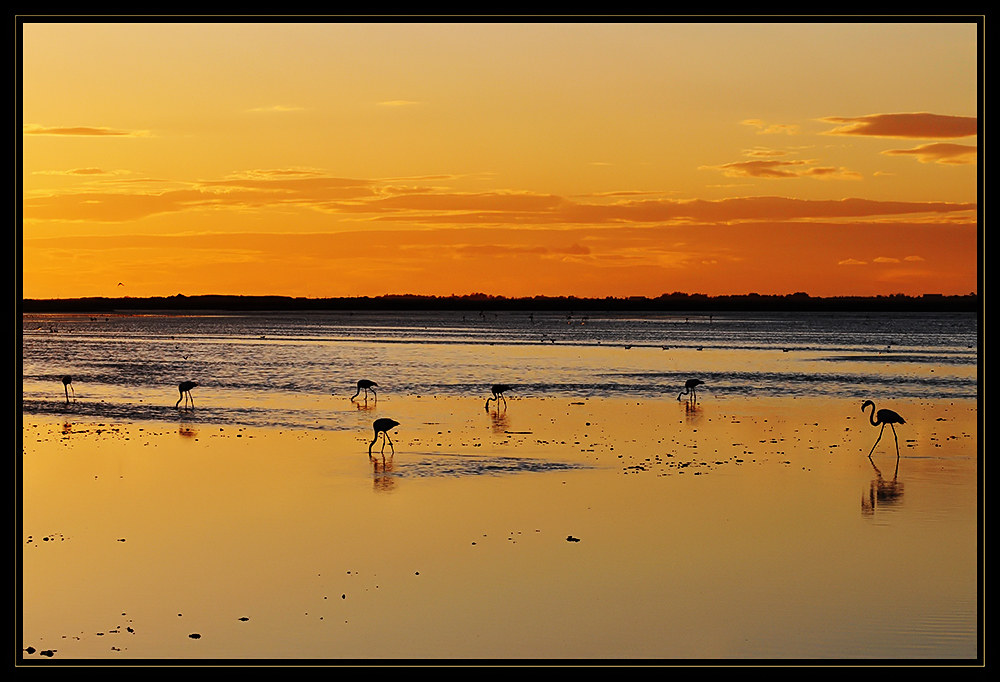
883	417
383	426
690	388
364	385
67	385
498	390
185	390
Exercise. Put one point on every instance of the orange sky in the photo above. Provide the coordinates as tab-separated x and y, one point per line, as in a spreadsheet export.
511	159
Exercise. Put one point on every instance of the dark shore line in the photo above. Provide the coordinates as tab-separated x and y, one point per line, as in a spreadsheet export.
676	302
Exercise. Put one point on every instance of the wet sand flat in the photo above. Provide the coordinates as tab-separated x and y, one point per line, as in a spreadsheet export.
554	528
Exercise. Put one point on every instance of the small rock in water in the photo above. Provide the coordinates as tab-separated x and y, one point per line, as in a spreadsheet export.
570	538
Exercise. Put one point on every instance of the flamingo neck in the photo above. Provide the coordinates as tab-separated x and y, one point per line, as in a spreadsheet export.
871	416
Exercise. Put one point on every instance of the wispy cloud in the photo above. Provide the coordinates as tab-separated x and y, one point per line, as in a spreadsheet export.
764	153
939	152
85	172
759	169
781	170
832	173
771	129
913	126
81	131
851	261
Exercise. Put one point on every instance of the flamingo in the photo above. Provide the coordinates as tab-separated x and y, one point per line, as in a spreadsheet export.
690	388
498	390
68	384
883	417
365	384
185	390
383	426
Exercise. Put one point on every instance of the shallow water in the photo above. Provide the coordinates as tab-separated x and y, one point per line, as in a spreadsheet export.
586	521
281	369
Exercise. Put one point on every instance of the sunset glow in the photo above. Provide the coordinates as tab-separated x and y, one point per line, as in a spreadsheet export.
328	160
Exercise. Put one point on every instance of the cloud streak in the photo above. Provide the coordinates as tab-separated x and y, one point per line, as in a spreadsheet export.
772	129
910	126
84	172
81	131
781	170
939	152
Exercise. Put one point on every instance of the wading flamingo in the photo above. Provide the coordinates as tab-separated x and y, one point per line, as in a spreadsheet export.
383	426
68	384
690	388
498	390
185	390
883	417
364	385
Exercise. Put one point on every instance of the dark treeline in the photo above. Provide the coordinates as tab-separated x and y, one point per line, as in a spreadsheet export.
675	302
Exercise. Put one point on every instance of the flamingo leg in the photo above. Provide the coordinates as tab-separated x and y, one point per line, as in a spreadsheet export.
877	440
504	401
897	442
391	449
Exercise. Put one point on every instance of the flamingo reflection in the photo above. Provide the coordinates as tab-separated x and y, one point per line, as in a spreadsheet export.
691	410
498	420
382	479
882	492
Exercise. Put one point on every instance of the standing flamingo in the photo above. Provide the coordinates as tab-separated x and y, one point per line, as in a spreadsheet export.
68	384
365	384
498	390
185	390
884	417
690	388
383	426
